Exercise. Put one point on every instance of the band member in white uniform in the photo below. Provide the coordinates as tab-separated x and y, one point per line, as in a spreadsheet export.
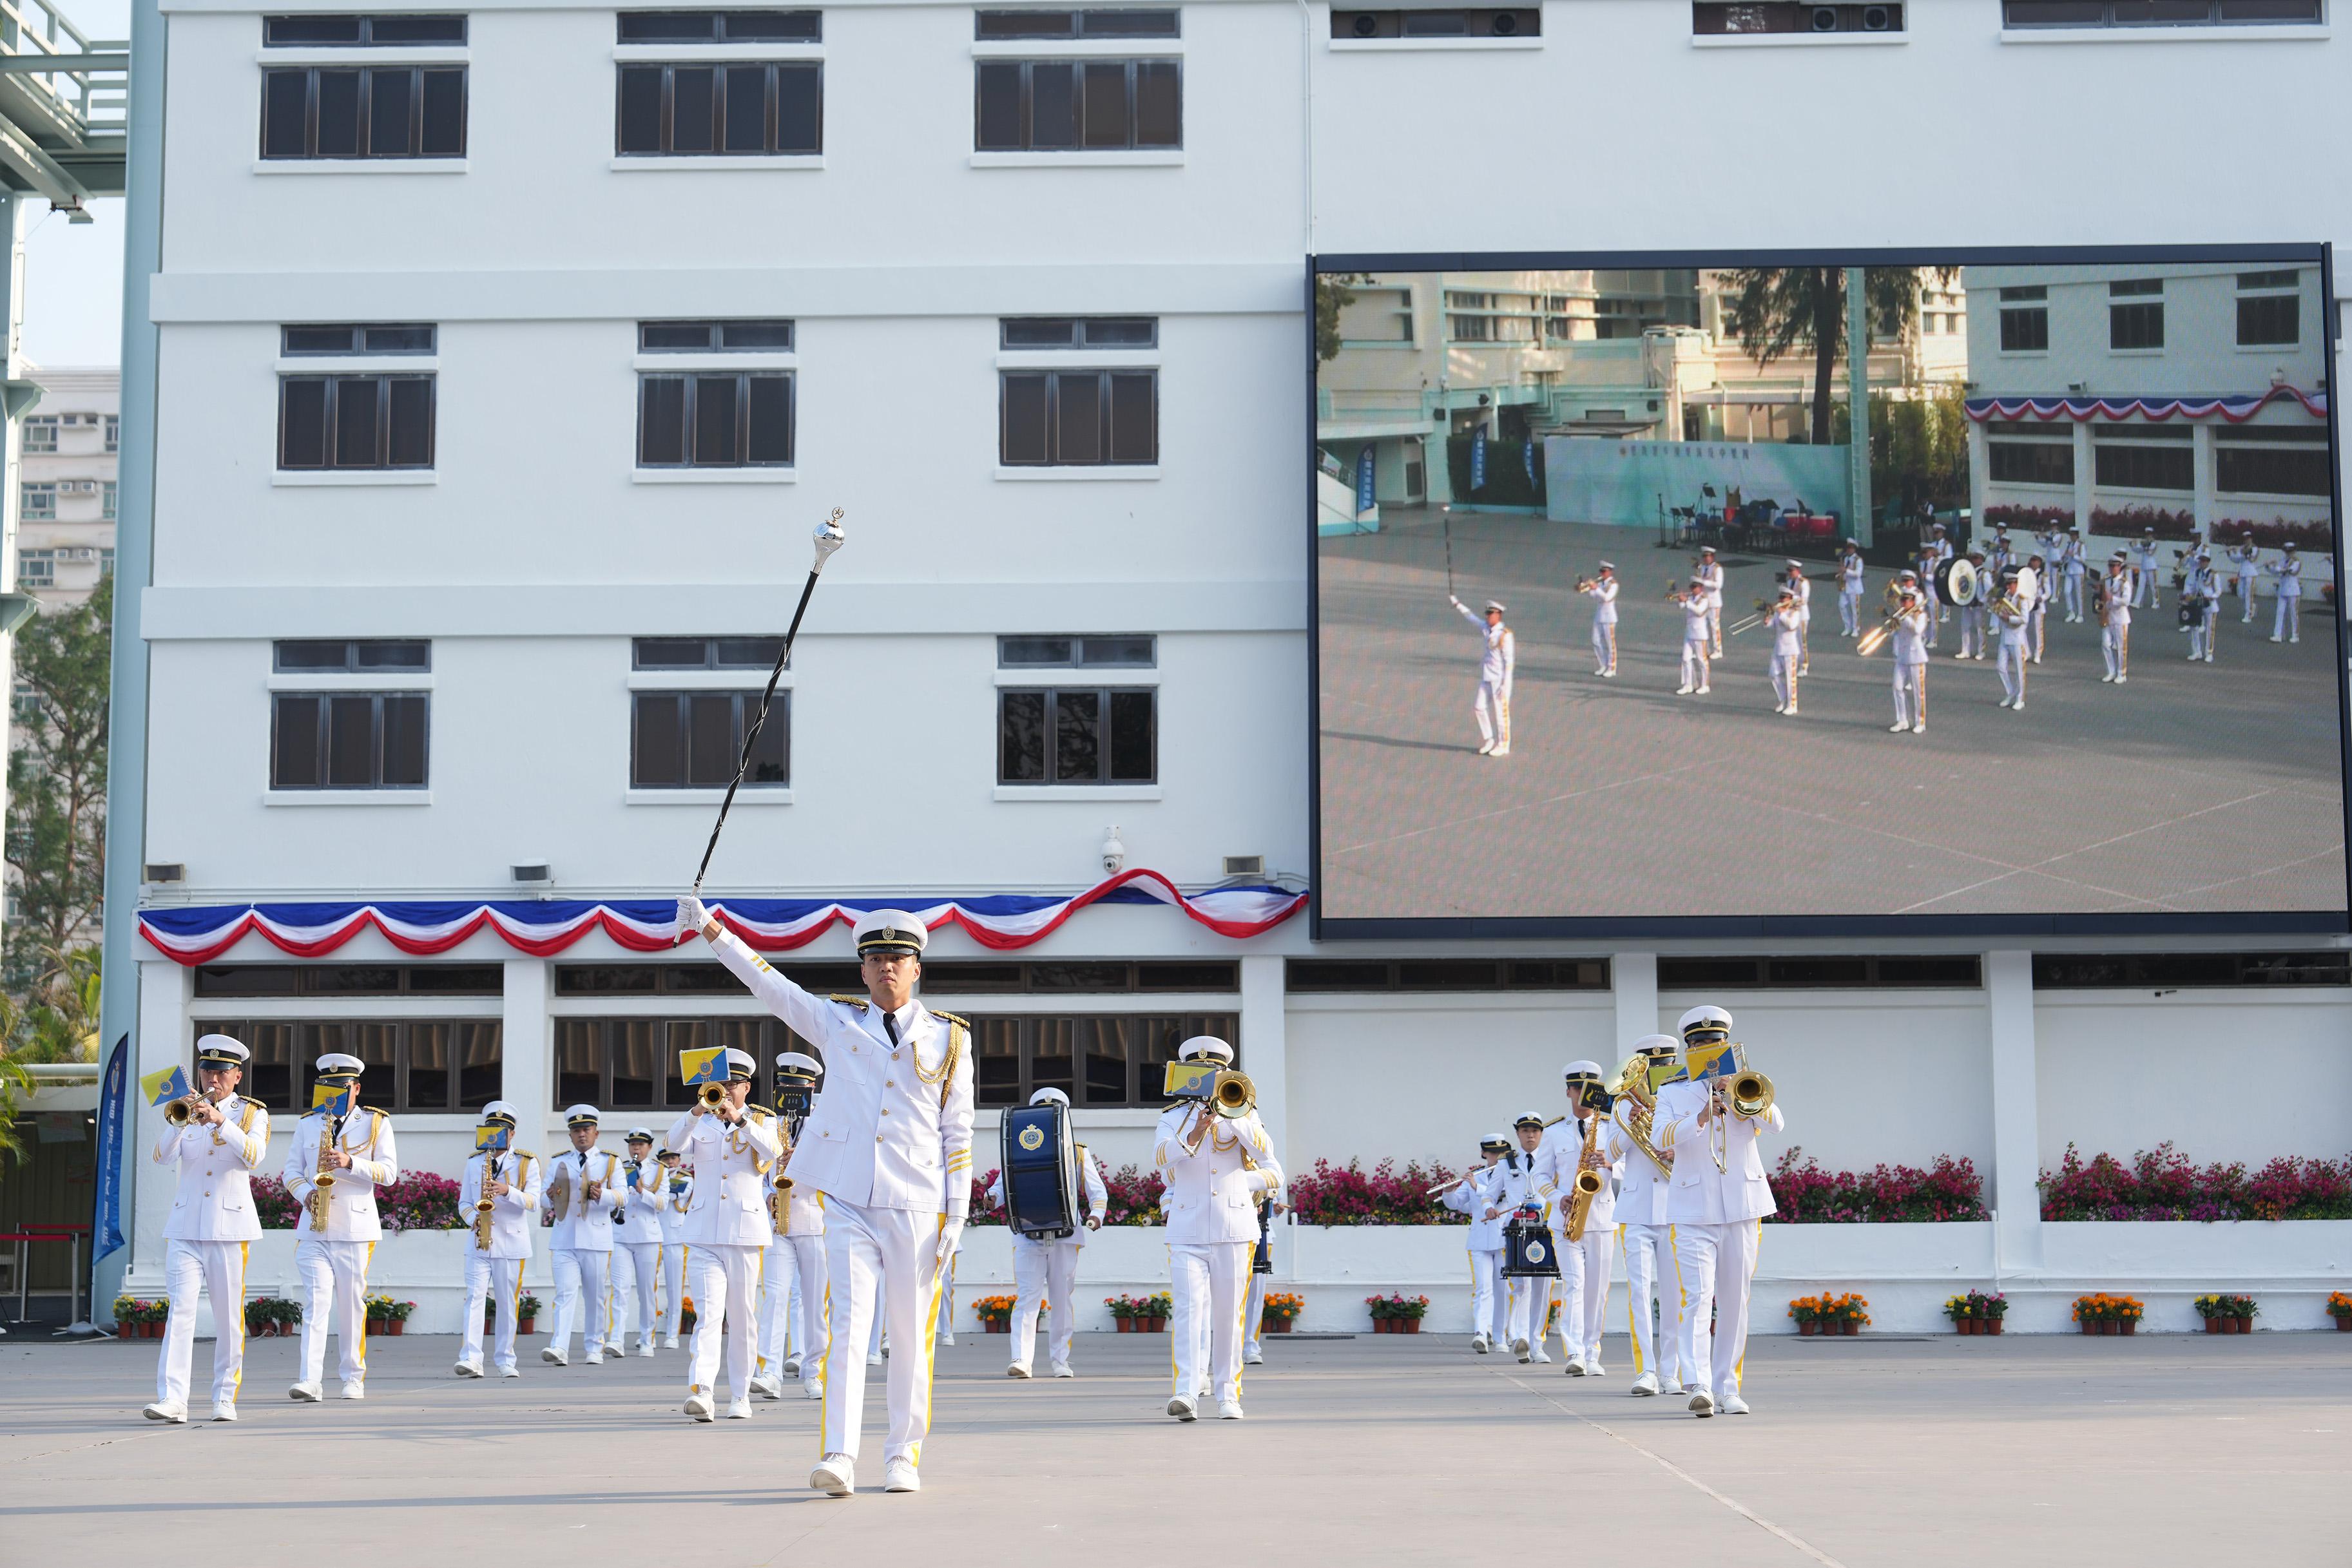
732	1148
512	1180
1718	1217
1934	551
578	1201
1785	624
2247	562
1496	665
2009	622
1584	1263
1972	614
1531	1296
332	1257
1654	1311
638	1243
1603	591
1214	1167
1800	588
2037	607
1914	629
676	1197
2203	584
2070	562
791	1344
213	1222
900	1074
1849	570
1045	1268
1709	575
1699	610
2288	623
2145	589
1487	1193
2115	626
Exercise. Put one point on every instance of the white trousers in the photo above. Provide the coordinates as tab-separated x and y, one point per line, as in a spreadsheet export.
881	1266
945	1326
2037	627
1933	606
484	1275
334	1299
1044	1272
1531	1307
1715	1263
1210	1284
1649	1254
2010	659
779	1274
583	1300
2144	588
1910	693
1490	1314
2246	597
637	1267
792	1307
673	1287
2288	621
1850	612
1494	710
1715	624
725	1284
2115	646
1584	1270
2072	585
1972	630
216	1267
1252	1311
1604	644
1693	662
1784	680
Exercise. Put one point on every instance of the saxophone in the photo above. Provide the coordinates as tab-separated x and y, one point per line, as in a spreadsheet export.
483	1205
1589	1182
322	1175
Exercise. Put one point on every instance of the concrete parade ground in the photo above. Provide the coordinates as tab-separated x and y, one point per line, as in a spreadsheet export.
2194	787
1912	1452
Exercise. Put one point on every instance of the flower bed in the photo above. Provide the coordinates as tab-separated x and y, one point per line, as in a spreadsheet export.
1142	1314
419	1200
2019	516
2273	534
2104	1314
1325	1194
2163	1183
271	1315
1397	1313
1947	1190
2136	521
1828	1314
1977	1312
1131	1196
1281	1311
386	1316
2227	1314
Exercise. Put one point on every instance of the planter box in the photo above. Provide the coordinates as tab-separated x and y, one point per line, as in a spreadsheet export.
996	1325
391	1326
1275	1325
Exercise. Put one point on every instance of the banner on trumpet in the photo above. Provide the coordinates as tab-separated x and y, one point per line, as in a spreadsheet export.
160	1088
1706	1063
705	1066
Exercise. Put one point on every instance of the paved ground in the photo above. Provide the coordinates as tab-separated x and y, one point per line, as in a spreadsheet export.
2192	787
2150	1450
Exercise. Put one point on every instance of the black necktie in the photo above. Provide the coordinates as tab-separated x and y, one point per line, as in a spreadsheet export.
890	1026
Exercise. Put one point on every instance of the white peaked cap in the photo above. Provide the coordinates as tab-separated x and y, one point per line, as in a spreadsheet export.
1207	1045
575	1114
1650	1042
1704	1016
1050	1097
1580	1069
799	1061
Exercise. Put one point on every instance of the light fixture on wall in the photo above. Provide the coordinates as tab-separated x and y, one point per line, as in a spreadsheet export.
158	873
1113	853
532	874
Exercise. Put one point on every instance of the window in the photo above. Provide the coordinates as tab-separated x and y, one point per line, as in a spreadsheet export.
2032	461
1446	975
2153	466
107	500
2138	326
106	560
2025	320
1905	971
1077	653
359	32
2270	310
2171	971
294	342
2155	13
349	979
1075	418
40	434
364	111
739	109
722	27
692	741
413	1064
1120	1059
1088	104
1075	25
1504	23
715	420
1787	16
371	420
714	336
1078	332
1082	735
37	569
361	657
946	977
348	740
114	432
631	1064
705	653
36	503
2260	462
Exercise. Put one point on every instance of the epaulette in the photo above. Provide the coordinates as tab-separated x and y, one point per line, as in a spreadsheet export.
847	1000
521	1155
760	1112
952	1018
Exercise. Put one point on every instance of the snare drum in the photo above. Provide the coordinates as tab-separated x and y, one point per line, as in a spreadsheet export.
1528	1247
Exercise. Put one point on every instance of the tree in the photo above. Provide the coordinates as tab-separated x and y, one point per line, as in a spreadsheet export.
1776	310
57	812
1333	294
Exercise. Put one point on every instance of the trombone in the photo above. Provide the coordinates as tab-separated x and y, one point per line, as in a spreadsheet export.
1746	1094
1764	611
1903	603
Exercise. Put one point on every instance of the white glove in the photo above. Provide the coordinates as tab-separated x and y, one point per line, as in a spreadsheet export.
1094	1222
1450	598
691	917
951	1238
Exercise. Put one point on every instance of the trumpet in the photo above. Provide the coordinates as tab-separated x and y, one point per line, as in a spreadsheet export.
181	1111
713	1096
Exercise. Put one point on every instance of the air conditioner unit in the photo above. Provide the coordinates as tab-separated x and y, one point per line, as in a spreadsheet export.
79	487
79	552
1877	18
157	872
1826	18
1245	865
533	874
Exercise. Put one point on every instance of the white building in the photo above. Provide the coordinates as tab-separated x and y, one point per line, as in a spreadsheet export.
65	492
457	480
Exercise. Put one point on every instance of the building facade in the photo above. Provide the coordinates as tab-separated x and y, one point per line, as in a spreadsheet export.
467	515
66	492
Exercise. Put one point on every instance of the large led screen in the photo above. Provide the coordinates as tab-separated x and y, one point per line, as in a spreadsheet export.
1622	619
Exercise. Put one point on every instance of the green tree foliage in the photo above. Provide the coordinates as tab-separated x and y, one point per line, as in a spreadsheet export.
1333	292
57	828
1918	450
1776	312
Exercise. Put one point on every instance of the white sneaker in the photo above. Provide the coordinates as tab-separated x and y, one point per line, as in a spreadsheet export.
1702	1403
791	1367
1016	1370
670	1343
1920	728
1960	655
1479	1343
697	1405
552	1357
2194	657
1229	1409
1254	1358
2106	680
899	1475
1500	751
467	1369
223	1411
2003	703
308	1393
1897	727
946	1337
1646	1386
1734	1406
1542	1355
1062	1369
739	1409
647	1348
767	1387
1702	691
595	1358
1484	747
1683	691
835	1476
1575	1367
1519	1347
2017	706
353	1391
1181	1408
509	1370
2121	680
814	1390
872	1361
1594	1369
2209	658
177	1415
1779	707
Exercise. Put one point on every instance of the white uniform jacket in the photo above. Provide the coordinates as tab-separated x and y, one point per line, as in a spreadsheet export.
1094	1197
1490	1187
676	1197
1701	1194
881	1135
1212	1195
215	1200
728	1206
367	1137
1603	594
1642	1187
1551	1175
587	1228
643	1204
510	1214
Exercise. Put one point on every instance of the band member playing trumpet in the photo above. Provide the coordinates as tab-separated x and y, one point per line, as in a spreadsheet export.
1935	550
2145	586
1645	1238
637	1241
2037	609
1602	590
2009	622
1850	571
1214	1166
1786	621
336	1162
1716	1205
1573	1148
1709	574
2288	623
1532	1295
2246	561
508	1180
1699	614
1915	633
1493	703
583	1184
888	1145
1489	1192
2114	619
2072	567
212	1152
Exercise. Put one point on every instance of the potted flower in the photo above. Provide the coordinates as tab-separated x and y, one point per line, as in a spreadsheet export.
1991	1309
267	1315
136	1318
2101	1313
526	1309
1850	1312
2227	1314
1806	1310
995	1313
1397	1314
1962	1312
1282	1310
2339	1307
386	1315
1142	1314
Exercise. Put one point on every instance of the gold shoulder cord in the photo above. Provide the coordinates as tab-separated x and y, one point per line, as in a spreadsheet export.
847	1000
944	1075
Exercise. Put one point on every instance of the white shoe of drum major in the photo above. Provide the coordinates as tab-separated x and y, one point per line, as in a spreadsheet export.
355	1391
835	1476
1183	1408
900	1474
1702	1403
738	1410
697	1405
1062	1369
223	1411
306	1393
177	1415
1229	1410
1734	1406
1646	1386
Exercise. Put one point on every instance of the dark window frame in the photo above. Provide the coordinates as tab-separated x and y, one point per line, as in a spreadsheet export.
690	422
2184	971
791	26
452	25
670	1033
2241	462
1080	647
1146	1041
354	660
333	390
349	980
279	704
2136	328
1108	404
988	71
1345	975
415	129
2029	462
774	117
2159	465
776	732
956	978
2037	14
1050	736
716	331
1085	22
753	653
2260	314
291	1047
2025	328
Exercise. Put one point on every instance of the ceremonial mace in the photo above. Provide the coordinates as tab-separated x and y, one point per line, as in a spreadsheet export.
1445	519
828	538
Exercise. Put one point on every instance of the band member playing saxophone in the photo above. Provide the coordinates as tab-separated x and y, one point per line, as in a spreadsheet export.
337	1160
1582	1232
508	1180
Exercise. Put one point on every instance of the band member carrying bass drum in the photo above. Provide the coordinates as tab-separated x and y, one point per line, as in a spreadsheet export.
1054	1196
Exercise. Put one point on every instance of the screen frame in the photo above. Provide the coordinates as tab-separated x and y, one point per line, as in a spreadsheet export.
1324	928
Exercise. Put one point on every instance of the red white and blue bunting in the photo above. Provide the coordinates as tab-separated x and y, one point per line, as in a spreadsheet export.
545	926
2236	409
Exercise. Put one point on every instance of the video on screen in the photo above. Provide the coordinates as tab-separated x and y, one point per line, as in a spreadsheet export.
1620	616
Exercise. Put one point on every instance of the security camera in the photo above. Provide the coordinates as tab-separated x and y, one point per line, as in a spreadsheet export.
1113	853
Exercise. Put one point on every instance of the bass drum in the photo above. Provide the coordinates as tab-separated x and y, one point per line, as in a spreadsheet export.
1958	581
2029	585
1040	1172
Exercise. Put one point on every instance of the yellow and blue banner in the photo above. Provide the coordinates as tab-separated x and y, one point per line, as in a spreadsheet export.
161	1088
491	1136
1709	1061
700	1067
335	1099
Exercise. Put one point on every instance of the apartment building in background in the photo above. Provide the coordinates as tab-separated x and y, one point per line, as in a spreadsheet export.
69	450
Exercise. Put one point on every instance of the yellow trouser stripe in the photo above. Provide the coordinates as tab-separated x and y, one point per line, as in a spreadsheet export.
1633	1324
